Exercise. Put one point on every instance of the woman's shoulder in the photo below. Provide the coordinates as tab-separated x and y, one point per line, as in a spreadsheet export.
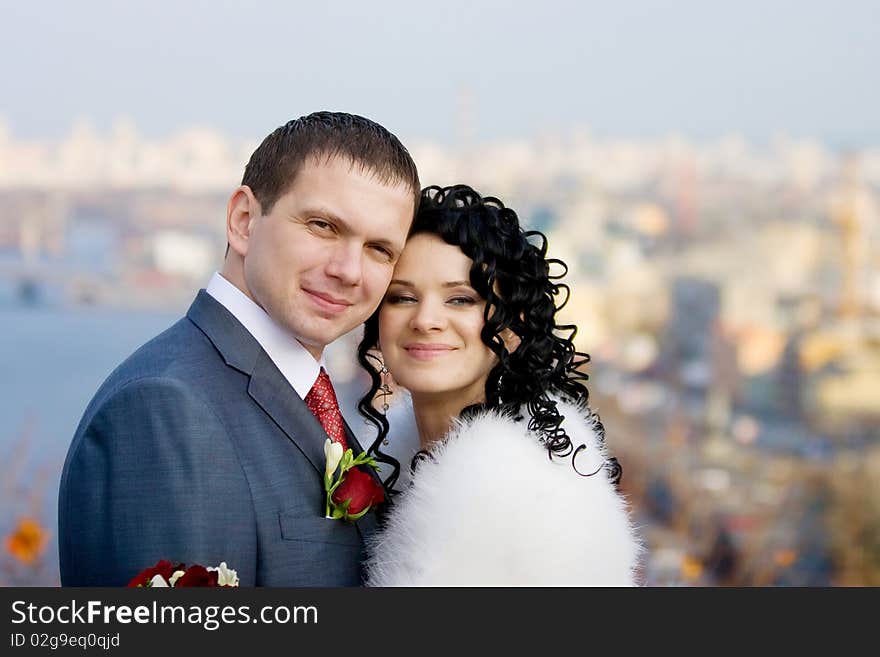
484	432
509	433
495	460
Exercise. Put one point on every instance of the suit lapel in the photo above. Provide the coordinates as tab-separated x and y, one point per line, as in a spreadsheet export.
267	387
236	345
275	395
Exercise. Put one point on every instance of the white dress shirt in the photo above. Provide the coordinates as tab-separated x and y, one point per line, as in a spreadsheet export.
297	365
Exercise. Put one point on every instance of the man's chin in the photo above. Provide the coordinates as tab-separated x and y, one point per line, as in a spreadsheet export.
323	331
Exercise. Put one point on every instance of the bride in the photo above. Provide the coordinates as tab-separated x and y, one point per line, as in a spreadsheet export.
513	484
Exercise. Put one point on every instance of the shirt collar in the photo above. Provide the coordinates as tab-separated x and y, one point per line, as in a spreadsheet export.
297	365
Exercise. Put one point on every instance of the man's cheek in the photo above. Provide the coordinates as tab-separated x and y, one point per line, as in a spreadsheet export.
375	285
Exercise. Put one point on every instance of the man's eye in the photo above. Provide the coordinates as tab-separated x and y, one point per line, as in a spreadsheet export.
320	224
382	251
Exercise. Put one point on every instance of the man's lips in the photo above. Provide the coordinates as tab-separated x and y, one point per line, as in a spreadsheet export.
327	301
427	351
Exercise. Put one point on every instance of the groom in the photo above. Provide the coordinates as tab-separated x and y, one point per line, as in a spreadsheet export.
207	444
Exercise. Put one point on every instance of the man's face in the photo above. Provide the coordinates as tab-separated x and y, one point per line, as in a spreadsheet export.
320	261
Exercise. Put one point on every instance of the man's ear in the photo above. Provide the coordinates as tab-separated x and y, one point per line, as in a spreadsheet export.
241	211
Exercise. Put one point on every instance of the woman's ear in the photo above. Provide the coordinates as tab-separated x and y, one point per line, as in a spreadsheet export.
511	340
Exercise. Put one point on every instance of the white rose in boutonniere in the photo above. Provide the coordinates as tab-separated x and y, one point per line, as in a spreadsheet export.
354	492
333	455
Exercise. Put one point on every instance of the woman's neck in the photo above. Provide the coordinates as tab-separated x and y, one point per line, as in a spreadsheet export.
434	413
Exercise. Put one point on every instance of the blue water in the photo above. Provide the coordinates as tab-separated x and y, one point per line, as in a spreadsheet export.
52	361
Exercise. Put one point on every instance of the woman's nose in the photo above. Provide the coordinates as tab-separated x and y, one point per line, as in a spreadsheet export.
428	316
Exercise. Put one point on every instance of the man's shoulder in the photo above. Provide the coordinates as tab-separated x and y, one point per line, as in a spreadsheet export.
179	358
174	353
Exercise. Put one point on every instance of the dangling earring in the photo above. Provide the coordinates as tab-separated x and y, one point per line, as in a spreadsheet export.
385	388
386	392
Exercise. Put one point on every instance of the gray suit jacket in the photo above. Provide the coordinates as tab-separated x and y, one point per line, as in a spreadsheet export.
197	450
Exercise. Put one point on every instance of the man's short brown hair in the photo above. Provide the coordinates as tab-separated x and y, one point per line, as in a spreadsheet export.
273	167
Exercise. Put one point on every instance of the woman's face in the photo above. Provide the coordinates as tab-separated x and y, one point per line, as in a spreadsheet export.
430	323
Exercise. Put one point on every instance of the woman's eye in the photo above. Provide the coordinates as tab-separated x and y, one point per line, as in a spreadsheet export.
400	298
462	301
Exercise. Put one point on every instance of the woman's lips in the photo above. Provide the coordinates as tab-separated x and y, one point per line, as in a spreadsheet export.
423	351
328	303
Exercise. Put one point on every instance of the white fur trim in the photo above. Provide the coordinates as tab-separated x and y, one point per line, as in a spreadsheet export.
494	510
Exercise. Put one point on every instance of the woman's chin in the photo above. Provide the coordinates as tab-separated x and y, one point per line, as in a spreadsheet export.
420	384
421	388
449	387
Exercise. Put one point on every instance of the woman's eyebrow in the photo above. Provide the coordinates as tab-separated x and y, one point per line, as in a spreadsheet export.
398	281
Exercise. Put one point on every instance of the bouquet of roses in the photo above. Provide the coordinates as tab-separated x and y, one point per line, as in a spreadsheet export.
164	575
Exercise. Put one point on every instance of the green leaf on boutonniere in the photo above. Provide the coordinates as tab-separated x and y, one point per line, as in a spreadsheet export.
347	459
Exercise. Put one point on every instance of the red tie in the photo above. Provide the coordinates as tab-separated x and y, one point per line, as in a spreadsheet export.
322	402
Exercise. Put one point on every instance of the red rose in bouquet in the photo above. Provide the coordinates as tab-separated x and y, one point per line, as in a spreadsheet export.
197	576
164	575
163	568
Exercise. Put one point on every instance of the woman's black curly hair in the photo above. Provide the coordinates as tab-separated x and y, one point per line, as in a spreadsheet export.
511	271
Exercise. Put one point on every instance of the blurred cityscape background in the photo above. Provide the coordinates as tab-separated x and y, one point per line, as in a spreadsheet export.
709	173
729	295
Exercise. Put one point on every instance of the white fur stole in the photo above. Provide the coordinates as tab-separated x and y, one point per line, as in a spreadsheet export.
493	510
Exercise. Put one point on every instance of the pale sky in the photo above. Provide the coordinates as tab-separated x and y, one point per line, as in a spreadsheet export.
625	68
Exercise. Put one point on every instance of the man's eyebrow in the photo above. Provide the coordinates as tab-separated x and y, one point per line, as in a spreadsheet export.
326	213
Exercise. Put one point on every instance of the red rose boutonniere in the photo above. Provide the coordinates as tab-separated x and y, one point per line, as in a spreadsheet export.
164	575
353	492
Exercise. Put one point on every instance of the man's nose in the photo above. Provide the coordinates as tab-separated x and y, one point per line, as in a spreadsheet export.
346	264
